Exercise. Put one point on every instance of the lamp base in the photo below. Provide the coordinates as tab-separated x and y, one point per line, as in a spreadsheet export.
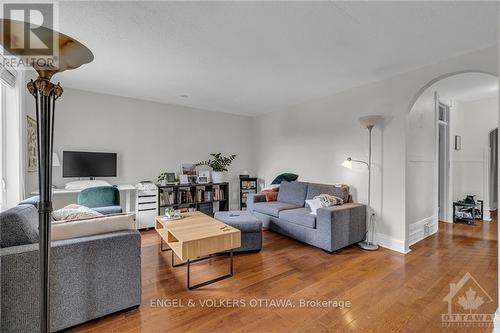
368	246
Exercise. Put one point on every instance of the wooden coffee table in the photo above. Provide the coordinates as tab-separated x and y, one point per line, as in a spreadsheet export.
197	237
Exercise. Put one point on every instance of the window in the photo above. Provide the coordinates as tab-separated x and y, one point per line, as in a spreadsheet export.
10	140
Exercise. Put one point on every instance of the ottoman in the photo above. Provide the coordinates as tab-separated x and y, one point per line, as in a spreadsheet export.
249	225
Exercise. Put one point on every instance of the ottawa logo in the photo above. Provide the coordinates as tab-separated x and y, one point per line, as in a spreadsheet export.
465	301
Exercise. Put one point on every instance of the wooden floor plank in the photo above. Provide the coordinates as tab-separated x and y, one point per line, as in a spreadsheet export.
389	291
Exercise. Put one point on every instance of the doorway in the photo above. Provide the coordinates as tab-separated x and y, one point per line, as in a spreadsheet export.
493	169
449	153
443	150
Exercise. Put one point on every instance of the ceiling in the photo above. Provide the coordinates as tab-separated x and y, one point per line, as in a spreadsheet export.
467	87
256	57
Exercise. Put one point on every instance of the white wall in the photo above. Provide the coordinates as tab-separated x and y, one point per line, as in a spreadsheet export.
148	137
473	120
421	164
313	138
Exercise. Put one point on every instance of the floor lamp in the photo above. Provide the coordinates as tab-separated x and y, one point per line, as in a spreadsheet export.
368	122
70	55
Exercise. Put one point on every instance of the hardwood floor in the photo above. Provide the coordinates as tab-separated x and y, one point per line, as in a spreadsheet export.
389	292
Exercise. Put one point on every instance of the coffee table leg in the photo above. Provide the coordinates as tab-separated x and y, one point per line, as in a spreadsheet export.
162	249
188	273
179	264
231	272
231	262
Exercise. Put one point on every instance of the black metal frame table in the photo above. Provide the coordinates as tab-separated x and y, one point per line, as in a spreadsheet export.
188	263
215	229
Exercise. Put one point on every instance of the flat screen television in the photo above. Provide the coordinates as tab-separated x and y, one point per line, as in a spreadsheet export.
89	164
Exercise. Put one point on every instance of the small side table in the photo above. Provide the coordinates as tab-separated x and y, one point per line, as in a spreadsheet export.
473	207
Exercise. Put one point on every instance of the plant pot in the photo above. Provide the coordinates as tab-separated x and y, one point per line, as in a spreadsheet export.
217	176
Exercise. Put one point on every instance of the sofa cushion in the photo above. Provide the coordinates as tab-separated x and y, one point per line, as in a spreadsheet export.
341	191
272	208
301	216
91	226
293	193
19	226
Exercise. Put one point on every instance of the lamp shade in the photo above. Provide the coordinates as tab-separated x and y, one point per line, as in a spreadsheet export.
55	160
370	121
347	163
71	54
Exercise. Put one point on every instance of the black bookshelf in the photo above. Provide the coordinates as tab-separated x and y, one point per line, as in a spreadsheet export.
247	185
200	197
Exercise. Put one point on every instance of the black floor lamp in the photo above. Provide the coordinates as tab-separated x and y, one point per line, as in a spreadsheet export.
67	54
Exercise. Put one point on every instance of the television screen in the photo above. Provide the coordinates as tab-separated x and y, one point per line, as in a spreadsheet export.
89	164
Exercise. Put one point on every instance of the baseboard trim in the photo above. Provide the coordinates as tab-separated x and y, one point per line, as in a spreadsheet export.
417	232
486	214
390	243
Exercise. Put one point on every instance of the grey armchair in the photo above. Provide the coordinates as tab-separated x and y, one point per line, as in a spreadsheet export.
90	276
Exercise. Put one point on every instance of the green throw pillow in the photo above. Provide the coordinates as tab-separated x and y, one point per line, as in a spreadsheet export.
285	177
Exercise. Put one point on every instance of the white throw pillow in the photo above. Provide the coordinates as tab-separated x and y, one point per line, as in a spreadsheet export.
93	226
314	204
74	212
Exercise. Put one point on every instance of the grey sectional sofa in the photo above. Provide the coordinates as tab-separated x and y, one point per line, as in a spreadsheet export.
331	229
90	276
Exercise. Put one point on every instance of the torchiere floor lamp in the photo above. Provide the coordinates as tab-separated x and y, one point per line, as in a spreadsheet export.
367	122
70	54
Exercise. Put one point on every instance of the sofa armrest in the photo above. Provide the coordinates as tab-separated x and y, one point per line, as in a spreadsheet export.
91	226
342	225
253	198
90	277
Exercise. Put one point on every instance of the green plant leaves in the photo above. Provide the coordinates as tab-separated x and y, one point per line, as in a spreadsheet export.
219	162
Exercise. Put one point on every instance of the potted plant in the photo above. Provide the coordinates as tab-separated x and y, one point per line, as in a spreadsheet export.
219	165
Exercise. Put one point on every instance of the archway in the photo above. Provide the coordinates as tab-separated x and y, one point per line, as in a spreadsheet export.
429	173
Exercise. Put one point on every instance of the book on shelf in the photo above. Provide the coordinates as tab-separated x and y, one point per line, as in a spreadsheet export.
167	198
245	192
200	195
184	196
248	184
219	194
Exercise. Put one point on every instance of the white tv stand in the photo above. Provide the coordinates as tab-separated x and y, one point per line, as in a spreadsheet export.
122	188
82	184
